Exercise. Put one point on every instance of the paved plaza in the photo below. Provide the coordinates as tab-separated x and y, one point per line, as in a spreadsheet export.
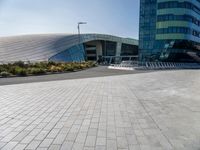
148	111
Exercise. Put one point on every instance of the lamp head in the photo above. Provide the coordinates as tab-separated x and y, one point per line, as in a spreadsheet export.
82	22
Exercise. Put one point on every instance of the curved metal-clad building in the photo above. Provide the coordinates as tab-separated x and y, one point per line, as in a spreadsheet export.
64	47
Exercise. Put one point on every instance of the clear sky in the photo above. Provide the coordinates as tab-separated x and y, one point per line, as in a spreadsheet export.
117	17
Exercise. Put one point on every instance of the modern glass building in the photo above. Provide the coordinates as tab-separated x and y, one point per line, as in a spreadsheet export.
66	48
169	30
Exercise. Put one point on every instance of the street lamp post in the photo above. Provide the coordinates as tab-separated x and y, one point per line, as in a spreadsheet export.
79	32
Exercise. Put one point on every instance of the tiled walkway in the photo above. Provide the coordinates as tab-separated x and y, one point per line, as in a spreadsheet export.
152	111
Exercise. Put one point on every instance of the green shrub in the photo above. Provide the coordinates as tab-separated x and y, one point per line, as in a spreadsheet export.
20	71
55	69
5	74
77	66
68	67
2	68
36	71
51	63
12	69
40	65
83	66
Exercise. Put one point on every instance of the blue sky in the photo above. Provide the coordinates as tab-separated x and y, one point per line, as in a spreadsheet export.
117	17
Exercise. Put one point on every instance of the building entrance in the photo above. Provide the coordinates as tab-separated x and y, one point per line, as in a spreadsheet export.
91	53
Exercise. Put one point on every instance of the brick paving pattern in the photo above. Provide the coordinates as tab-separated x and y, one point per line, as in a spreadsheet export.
153	111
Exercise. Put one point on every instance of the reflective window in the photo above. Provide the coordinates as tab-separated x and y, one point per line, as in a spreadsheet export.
127	50
183	30
73	54
176	4
109	48
172	17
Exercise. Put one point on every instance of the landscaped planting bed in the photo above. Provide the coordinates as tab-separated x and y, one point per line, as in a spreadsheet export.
40	68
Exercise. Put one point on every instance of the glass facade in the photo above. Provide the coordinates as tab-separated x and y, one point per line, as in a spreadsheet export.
147	33
109	48
172	17
129	50
73	54
164	31
177	4
89	52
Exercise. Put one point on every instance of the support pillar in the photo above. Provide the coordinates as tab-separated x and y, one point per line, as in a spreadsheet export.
118	52
118	49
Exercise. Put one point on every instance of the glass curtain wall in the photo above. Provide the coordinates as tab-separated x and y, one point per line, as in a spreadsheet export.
73	54
147	32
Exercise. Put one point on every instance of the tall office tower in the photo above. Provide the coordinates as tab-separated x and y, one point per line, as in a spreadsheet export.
169	30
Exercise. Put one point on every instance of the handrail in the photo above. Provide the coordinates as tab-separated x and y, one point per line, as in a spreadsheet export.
169	65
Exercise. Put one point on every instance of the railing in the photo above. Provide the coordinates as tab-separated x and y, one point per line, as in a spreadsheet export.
125	65
167	65
132	65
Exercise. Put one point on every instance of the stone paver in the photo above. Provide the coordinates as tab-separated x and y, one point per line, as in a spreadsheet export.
152	111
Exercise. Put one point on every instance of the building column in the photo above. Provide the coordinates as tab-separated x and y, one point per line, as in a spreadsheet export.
118	49
99	49
118	52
